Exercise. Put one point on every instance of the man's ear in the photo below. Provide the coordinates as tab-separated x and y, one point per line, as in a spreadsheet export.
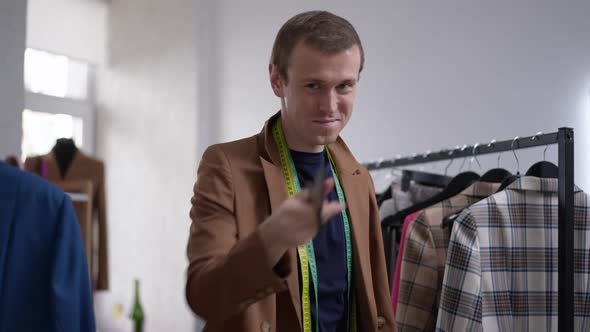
276	82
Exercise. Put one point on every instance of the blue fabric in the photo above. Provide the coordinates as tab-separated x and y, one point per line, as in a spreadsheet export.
330	251
44	279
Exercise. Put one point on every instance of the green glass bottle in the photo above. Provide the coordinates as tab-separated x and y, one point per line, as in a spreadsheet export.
137	311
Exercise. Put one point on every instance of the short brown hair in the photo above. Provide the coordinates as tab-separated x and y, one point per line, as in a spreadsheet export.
321	29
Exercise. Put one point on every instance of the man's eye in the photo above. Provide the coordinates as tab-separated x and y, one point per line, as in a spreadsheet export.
345	86
313	86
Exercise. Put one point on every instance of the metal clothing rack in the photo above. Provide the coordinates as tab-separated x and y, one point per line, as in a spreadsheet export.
564	138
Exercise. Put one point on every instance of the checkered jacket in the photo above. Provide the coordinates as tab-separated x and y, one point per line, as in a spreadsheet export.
424	258
501	270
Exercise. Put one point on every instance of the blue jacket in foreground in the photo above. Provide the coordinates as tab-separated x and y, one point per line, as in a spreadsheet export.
44	279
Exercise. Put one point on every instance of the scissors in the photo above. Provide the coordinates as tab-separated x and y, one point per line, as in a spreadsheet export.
317	194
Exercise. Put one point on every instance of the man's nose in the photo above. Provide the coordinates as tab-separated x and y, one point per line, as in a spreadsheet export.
328	101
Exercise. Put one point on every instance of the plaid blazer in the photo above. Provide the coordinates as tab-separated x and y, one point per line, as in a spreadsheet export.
424	259
501	271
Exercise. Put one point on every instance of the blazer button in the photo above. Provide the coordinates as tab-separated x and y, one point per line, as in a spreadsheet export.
380	322
265	326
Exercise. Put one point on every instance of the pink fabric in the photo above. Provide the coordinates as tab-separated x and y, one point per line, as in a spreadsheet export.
398	263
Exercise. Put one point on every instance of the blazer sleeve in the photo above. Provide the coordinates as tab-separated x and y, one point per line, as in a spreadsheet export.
460	302
417	304
71	291
225	274
102	281
379	269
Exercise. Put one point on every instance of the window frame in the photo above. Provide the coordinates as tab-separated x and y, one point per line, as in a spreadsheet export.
81	108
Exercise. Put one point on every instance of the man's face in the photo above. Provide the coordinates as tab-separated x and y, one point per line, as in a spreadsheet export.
318	98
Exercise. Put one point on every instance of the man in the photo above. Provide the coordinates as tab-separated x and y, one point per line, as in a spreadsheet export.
259	259
44	278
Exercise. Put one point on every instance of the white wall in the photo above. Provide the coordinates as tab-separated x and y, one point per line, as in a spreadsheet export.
147	136
438	74
209	94
76	28
12	51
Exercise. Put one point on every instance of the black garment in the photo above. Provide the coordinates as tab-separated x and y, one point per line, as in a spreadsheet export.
330	252
65	149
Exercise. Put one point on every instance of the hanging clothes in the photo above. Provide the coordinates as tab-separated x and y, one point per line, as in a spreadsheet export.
400	200
396	274
501	272
82	167
424	258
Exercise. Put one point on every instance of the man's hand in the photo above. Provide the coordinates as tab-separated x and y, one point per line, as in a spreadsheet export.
295	222
296	217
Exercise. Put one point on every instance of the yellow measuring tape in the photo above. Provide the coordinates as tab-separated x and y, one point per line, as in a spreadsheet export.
306	251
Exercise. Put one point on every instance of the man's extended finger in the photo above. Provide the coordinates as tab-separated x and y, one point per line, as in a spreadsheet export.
305	195
331	209
328	185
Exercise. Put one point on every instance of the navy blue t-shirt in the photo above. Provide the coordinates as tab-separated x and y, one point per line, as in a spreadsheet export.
330	251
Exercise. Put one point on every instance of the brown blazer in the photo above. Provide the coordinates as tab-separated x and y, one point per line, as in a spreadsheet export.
230	282
83	167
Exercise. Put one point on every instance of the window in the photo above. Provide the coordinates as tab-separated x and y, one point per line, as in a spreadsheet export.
55	75
58	103
41	130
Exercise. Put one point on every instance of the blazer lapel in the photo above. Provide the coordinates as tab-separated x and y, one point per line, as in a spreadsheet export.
75	171
356	193
358	213
53	172
277	192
